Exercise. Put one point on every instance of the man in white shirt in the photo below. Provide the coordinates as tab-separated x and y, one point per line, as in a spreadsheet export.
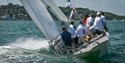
97	27
72	30
89	21
103	17
104	21
72	14
80	31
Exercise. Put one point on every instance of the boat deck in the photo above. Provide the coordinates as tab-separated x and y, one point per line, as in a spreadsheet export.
83	46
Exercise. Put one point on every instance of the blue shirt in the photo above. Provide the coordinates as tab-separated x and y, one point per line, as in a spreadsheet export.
66	37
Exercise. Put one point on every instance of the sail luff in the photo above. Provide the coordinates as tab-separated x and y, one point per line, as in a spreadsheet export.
41	17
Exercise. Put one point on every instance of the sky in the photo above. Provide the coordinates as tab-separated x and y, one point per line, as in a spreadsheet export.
113	6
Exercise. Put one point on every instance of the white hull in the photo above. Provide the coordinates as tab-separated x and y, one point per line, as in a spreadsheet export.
99	50
98	47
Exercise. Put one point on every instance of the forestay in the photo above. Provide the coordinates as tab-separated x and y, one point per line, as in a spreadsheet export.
55	9
41	17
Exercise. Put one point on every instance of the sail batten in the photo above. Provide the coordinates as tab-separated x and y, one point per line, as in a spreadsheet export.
41	17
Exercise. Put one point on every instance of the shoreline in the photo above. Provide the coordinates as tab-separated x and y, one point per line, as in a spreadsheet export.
17	12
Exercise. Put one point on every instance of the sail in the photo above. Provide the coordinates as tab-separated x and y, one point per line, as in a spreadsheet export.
41	17
55	9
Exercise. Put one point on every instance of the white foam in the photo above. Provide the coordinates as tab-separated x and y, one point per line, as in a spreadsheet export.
31	43
4	49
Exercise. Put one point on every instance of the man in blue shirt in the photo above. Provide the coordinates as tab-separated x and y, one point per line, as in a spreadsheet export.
66	37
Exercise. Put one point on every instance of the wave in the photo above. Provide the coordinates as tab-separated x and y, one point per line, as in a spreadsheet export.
25	44
31	43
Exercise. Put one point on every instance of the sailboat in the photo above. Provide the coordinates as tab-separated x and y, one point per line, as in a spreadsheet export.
38	10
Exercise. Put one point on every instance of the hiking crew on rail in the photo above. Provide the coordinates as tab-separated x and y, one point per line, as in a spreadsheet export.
74	34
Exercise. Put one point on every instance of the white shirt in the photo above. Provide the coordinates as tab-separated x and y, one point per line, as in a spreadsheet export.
103	18
72	31
97	24
79	31
89	21
71	14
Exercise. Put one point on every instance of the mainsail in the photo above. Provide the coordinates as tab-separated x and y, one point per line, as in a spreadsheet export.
55	9
41	17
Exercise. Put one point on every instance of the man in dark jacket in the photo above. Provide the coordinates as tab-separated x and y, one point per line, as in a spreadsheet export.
66	37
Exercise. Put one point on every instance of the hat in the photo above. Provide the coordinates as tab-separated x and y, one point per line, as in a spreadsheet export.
98	13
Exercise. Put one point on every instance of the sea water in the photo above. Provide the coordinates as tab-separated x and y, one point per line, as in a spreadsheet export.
22	42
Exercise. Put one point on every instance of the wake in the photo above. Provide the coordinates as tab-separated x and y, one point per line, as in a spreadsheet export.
31	43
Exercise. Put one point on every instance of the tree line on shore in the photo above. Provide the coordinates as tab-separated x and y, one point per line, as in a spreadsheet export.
17	12
82	12
13	12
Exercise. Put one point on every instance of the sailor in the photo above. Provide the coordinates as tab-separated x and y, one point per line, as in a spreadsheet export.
81	31
104	21
72	14
66	37
89	20
97	27
85	19
72	30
